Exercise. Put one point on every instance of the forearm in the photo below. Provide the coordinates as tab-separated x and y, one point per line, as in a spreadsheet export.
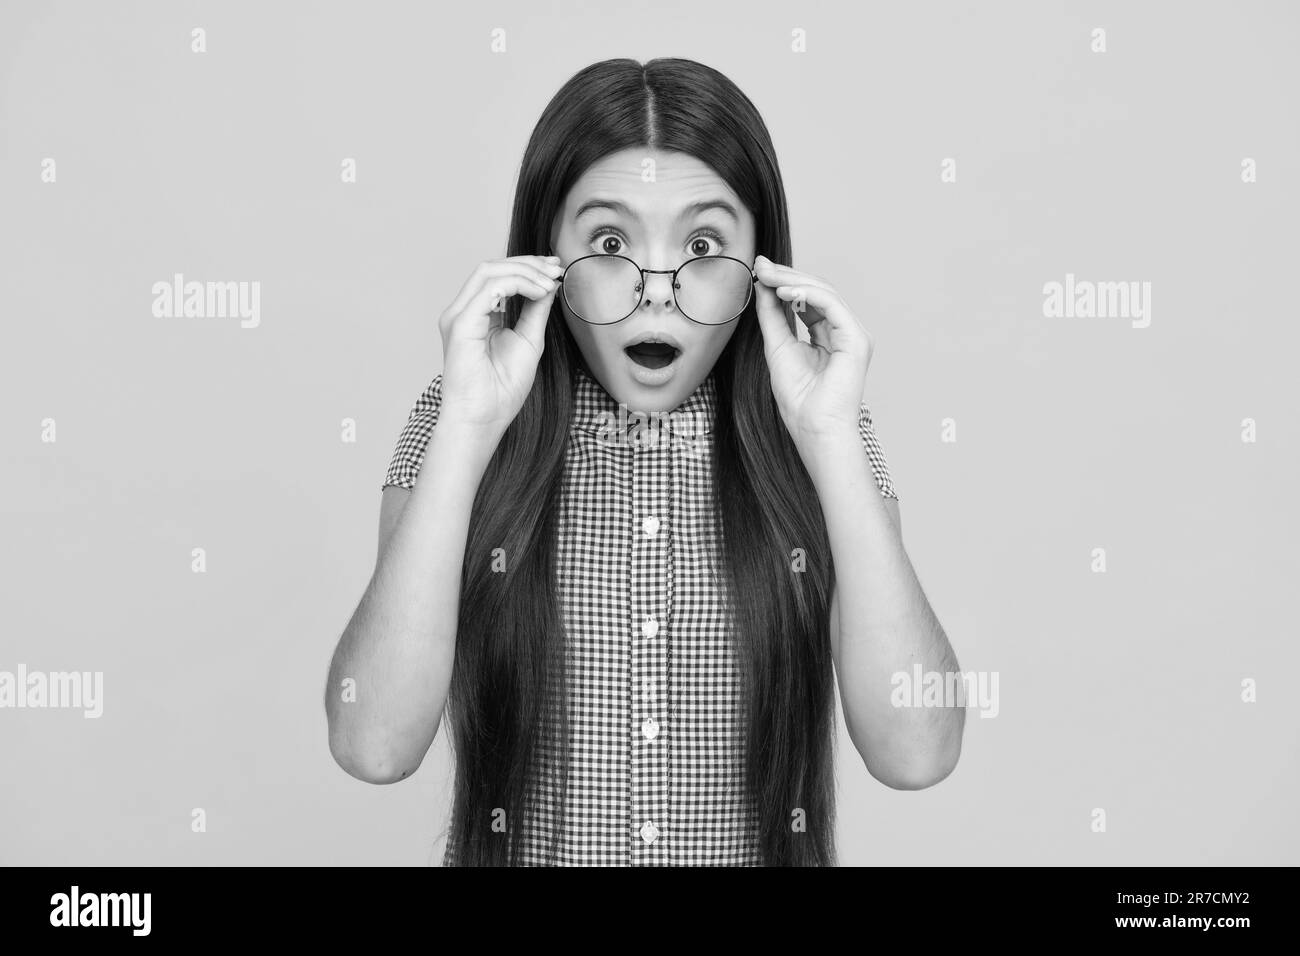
885	626
399	646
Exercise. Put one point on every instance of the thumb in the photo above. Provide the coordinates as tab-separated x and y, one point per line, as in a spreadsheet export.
771	319
532	320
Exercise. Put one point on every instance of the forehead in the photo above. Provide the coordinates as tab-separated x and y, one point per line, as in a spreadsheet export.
658	184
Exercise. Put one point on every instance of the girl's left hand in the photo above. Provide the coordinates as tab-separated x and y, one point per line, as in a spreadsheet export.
818	385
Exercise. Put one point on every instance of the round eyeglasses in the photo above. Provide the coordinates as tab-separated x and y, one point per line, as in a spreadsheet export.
603	288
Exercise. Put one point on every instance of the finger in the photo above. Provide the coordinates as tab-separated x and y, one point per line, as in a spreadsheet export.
532	321
478	313
772	321
774	274
542	272
538	261
549	267
838	329
819	331
486	271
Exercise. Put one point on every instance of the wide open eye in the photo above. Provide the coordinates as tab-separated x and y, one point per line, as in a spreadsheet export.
614	243
706	242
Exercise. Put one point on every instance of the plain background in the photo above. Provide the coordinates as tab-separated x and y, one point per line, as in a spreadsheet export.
1119	691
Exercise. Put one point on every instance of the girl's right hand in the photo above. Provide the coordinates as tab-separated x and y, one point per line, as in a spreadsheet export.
488	369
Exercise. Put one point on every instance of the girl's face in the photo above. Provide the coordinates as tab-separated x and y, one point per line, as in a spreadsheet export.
658	214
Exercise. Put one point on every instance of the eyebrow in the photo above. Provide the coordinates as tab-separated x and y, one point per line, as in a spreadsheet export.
694	209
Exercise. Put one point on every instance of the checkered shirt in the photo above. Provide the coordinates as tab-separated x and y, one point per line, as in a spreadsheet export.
656	745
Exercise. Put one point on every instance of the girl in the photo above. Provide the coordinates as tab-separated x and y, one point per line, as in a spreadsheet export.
637	493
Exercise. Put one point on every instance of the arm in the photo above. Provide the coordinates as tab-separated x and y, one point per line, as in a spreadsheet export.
881	624
884	624
399	645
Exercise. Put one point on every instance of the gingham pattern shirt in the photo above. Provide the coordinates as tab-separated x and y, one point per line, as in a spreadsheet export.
656	746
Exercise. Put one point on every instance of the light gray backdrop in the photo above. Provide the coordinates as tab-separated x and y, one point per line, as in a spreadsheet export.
1119	691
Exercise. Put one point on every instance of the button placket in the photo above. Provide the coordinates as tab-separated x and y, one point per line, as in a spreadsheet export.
698	703
650	575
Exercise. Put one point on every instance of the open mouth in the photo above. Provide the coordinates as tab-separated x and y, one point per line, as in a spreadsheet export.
652	354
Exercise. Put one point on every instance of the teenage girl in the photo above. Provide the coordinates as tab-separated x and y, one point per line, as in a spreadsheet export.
636	632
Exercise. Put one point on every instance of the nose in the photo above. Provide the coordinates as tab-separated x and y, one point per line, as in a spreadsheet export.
657	291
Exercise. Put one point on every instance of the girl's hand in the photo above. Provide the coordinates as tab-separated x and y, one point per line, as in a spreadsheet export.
488	369
818	385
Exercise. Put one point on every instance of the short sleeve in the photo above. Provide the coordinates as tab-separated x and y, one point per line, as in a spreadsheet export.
408	455
876	455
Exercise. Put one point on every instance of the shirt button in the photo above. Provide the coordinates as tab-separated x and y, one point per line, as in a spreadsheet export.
650	728
650	628
650	526
649	832
648	691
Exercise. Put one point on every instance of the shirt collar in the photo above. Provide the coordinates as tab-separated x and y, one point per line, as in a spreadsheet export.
594	406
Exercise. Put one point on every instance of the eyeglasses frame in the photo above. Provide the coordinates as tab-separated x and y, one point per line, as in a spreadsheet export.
753	277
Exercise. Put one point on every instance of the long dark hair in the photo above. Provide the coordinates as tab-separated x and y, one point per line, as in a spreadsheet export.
508	702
